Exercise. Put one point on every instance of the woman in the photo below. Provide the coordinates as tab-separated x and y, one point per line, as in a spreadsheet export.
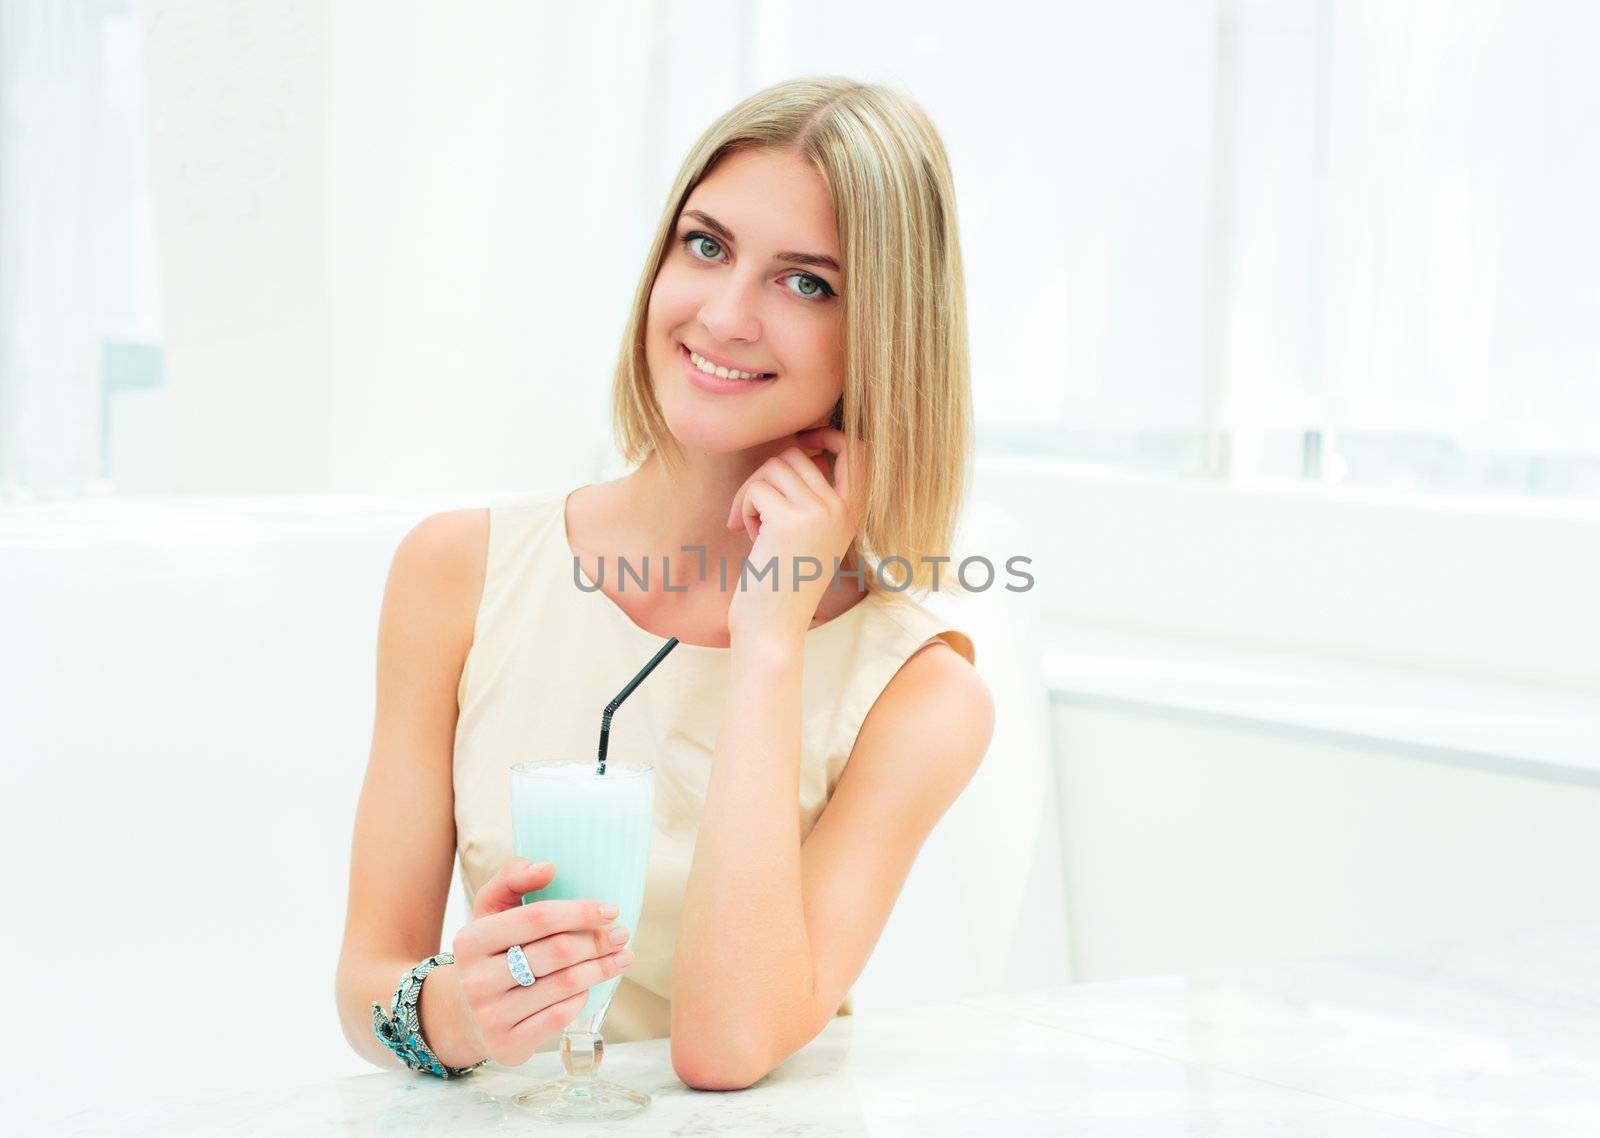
810	241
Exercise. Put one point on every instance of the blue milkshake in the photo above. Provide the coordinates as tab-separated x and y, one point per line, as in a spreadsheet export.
595	830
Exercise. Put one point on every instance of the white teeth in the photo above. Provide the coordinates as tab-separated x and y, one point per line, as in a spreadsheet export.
710	368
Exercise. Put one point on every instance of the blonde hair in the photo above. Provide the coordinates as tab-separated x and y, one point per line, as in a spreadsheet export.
907	390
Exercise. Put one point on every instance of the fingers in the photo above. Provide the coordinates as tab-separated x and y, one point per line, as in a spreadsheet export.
520	1004
759	497
553	953
514	1024
772	475
784	471
493	934
796	474
523	1039
812	470
798	477
569	948
505	889
848	455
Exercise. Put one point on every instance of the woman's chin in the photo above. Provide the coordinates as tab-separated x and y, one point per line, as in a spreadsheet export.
715	433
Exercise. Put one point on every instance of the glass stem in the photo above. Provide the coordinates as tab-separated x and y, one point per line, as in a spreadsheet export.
581	1052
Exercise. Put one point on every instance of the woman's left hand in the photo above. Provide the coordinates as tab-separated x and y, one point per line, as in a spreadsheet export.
791	511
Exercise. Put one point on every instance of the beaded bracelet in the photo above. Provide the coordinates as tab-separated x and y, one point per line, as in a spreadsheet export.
401	1032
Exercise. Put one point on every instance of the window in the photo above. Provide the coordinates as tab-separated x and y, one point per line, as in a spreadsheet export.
1403	277
81	375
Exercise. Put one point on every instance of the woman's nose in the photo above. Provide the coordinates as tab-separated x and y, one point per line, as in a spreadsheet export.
730	312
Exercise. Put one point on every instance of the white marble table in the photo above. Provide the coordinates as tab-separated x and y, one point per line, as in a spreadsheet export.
1495	1038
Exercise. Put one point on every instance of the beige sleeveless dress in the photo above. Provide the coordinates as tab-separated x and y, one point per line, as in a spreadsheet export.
546	658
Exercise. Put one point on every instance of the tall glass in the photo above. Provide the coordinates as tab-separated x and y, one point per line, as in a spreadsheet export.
595	829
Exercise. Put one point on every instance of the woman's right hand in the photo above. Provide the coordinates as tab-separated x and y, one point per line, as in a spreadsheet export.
569	949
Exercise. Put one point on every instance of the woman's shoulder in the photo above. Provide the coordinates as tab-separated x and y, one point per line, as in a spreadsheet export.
436	579
454	548
507	522
912	664
910	622
525	504
461	537
452	545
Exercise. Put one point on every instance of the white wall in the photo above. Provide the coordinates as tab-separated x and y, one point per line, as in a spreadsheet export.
399	240
1188	846
238	135
1492	589
490	204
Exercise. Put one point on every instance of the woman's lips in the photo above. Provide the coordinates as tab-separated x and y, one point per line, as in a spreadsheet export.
710	382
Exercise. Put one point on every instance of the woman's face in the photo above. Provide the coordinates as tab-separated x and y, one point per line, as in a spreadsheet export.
731	289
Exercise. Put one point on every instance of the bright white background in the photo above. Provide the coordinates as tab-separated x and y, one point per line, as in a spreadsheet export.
1286	352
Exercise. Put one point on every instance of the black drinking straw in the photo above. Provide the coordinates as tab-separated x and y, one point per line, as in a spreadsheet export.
605	716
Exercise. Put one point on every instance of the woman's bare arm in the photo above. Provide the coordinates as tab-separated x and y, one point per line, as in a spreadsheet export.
775	930
405	838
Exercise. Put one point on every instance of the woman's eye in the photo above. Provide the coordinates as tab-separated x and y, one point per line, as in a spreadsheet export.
700	239
812	287
818	286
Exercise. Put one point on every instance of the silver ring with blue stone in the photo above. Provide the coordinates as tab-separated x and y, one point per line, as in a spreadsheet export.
517	961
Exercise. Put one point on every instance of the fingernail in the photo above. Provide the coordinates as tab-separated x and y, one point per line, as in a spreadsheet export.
538	867
618	935
608	911
624	958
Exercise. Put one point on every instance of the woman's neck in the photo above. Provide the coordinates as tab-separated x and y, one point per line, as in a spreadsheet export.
668	509
661	510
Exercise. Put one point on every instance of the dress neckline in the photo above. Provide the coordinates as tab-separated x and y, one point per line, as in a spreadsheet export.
813	635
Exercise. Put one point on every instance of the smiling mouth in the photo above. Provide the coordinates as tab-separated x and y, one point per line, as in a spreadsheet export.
689	354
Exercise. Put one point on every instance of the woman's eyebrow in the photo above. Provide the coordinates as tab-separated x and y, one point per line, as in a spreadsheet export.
726	234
